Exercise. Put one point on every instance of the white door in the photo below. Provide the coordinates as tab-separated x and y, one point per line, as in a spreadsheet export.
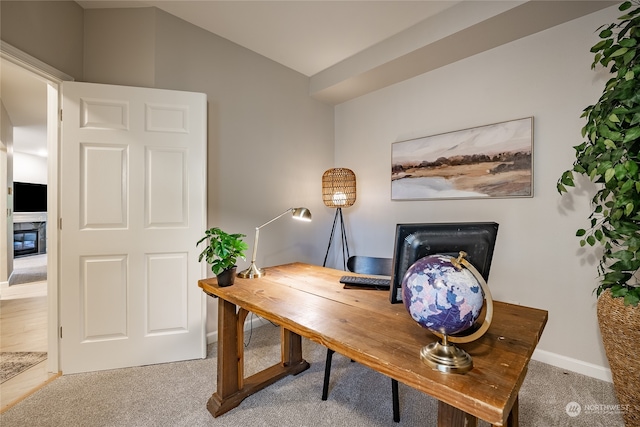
133	206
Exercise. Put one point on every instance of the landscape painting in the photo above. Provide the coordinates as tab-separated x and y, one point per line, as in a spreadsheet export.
492	161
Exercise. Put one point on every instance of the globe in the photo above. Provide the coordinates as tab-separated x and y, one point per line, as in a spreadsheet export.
441	296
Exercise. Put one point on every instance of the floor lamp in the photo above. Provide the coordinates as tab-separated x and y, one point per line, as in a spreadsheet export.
338	191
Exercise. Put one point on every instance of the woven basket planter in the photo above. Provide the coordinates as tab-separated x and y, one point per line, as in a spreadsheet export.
620	330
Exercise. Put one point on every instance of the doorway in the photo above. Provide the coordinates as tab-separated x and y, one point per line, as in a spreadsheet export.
176	310
29	297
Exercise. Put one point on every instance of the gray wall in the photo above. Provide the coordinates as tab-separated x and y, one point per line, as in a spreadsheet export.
48	30
119	46
537	260
269	144
268	141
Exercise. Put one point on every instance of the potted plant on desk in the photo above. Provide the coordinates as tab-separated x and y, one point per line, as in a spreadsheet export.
221	252
610	157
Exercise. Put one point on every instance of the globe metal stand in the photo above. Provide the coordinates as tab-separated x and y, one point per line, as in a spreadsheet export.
444	356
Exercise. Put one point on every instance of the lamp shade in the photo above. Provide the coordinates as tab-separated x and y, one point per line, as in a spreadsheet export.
339	188
301	214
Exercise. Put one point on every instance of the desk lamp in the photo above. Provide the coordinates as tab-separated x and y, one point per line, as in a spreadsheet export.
339	191
302	214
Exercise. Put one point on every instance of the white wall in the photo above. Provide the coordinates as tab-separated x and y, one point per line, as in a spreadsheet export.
29	168
6	200
537	260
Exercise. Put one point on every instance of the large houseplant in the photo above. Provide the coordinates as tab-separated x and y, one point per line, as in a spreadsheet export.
610	157
222	251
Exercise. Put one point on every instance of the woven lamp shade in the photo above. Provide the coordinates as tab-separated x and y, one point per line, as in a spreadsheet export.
339	188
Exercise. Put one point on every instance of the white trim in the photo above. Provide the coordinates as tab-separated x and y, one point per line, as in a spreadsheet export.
574	365
54	102
32	64
253	321
54	79
20	217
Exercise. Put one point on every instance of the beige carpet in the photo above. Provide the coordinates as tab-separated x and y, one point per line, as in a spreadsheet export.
29	269
12	363
176	394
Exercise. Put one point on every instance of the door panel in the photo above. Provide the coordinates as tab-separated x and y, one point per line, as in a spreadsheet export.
103	298
166	202
133	186
167	287
103	186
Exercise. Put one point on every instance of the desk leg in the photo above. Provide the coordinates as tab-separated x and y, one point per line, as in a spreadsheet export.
449	416
228	361
242	316
232	387
512	420
291	346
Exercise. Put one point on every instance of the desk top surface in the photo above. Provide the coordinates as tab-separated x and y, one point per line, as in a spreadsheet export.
361	324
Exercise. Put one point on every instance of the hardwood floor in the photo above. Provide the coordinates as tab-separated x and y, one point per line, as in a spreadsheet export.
23	327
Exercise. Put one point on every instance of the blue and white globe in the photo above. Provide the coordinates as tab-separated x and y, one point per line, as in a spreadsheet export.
441	297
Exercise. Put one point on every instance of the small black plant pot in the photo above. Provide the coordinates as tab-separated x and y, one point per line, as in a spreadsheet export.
227	277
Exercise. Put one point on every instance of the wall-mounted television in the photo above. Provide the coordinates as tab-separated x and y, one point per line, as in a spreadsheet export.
29	197
415	241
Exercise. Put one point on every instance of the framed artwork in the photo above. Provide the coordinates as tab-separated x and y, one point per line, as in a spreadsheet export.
492	161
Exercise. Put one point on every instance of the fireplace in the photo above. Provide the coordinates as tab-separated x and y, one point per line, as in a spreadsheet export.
25	242
29	238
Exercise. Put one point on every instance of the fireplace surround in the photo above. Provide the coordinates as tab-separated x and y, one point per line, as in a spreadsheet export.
29	234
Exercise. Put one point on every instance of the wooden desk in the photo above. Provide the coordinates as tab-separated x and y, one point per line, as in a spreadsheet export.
309	301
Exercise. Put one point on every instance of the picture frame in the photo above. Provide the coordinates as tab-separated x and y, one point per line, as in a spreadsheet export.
490	161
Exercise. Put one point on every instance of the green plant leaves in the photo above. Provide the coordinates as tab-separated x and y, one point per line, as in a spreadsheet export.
609	174
628	42
603	35
631	295
618	52
610	155
632	298
222	250
565	179
631	134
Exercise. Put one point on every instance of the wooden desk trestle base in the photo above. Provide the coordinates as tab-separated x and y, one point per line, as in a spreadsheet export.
308	301
233	387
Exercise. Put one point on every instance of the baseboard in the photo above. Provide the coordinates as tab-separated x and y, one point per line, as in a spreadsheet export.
573	365
253	320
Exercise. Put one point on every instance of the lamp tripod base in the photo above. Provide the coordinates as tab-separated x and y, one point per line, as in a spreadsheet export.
252	272
446	358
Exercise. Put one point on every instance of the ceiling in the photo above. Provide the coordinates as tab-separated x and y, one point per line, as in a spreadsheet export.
340	45
307	36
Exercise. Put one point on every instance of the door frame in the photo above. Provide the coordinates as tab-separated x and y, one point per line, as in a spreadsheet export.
53	78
